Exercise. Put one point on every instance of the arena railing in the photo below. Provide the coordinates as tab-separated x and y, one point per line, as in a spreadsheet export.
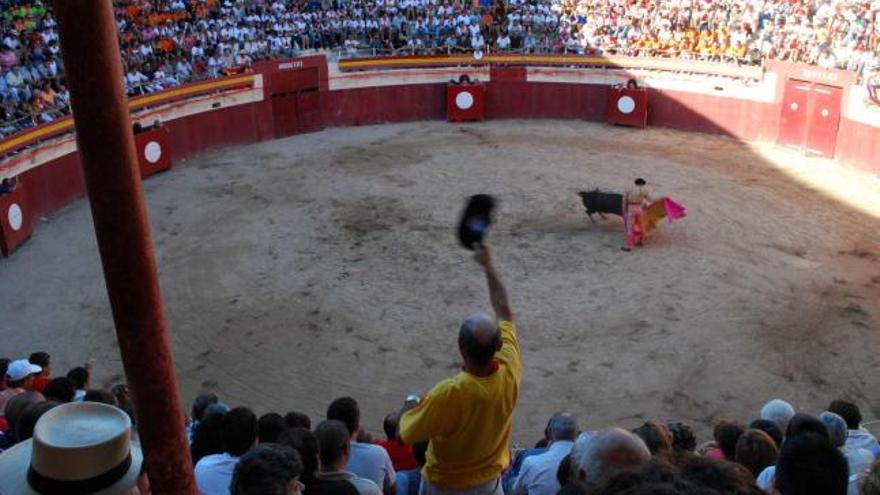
554	60
34	135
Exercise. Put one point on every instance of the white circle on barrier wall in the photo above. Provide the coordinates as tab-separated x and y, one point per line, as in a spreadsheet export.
794	106
15	216
825	112
464	100
626	104
153	152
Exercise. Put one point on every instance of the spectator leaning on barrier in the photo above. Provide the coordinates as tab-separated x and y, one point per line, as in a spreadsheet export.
365	460
468	418
537	475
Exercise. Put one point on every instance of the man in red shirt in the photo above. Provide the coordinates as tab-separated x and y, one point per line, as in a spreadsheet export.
43	360
401	455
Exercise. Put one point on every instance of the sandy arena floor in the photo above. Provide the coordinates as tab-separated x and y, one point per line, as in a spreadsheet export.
300	270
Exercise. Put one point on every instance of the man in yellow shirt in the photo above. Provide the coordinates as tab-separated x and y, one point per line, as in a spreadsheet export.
468	418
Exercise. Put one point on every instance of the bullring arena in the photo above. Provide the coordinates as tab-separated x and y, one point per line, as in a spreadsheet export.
299	264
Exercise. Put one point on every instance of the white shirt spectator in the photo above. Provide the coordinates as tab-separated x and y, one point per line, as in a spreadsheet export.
504	42
477	42
537	476
371	462
767	479
136	77
860	461
214	474
861	439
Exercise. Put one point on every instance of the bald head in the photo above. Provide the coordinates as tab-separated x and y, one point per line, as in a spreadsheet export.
600	456
479	339
778	411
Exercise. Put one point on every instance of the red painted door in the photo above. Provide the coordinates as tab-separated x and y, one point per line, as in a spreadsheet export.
824	121
308	111
284	110
793	123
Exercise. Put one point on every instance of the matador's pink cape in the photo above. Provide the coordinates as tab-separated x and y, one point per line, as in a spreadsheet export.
660	209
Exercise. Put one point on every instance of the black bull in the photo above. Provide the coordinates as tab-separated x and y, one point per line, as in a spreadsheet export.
596	201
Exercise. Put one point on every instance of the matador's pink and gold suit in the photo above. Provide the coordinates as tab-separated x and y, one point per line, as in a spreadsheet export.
641	215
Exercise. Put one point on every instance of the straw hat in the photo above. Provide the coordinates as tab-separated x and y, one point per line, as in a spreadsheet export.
77	449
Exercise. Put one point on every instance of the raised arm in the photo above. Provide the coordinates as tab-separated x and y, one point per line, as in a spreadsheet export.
497	292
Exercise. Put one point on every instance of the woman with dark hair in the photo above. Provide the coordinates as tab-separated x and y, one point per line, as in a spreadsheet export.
755	450
200	405
726	434
656	436
303	441
683	438
770	428
208	436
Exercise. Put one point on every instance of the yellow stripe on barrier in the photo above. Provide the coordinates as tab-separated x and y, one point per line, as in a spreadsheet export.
142	101
50	129
66	123
556	60
394	61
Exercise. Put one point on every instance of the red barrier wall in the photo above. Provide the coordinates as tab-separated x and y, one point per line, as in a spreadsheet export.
216	129
858	145
54	184
742	119
384	104
521	100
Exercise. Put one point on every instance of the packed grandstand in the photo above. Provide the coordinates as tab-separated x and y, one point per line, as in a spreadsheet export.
169	42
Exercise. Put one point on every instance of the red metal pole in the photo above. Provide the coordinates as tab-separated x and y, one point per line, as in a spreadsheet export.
93	67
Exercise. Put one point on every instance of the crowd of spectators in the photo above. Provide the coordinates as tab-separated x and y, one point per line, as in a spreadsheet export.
167	42
454	439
